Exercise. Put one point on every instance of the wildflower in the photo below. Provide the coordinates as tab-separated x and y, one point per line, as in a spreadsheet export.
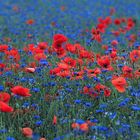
30	21
19	90
1	88
5	107
104	62
27	132
84	127
5	97
10	138
30	70
119	83
54	120
127	72
135	55
135	108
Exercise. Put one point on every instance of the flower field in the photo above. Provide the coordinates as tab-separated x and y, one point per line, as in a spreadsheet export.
70	70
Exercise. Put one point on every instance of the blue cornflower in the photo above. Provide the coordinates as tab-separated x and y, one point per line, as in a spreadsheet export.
112	115
99	111
43	62
135	108
1	87
103	106
23	79
35	90
77	101
38	123
120	65
25	104
36	117
52	83
3	130
80	121
88	104
10	138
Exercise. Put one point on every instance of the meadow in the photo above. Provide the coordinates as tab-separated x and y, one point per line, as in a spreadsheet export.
70	70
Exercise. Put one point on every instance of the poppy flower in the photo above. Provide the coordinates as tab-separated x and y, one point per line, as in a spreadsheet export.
116	33
114	42
54	120
104	62
5	107
30	21
64	73
30	70
69	61
75	125
117	21
101	27
42	45
40	56
61	52
137	73
59	39
55	71
97	37
5	97
13	53
135	55
27	132
19	90
84	127
63	66
71	48
42	139
127	71
3	48
119	83
107	92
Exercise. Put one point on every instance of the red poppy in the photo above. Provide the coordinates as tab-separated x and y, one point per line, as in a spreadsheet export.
5	107
59	39
69	61
101	27
116	33
39	56
117	21
114	42
107	92
135	55
84	127
119	83
63	66
64	73
61	52
104	62
30	21
93	72
55	71
22	91
30	70
75	125
54	120
27	132
71	48
137	73
96	35
5	97
3	48
42	45
127	72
